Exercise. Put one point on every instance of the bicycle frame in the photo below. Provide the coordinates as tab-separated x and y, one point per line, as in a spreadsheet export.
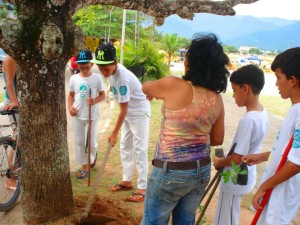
10	164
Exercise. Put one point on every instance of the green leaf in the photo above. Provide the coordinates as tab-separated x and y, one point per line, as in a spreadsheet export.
243	172
236	168
233	179
226	176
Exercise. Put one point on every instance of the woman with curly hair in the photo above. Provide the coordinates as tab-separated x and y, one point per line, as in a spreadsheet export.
193	120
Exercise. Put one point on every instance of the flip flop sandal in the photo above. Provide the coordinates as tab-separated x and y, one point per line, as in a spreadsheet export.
94	163
82	174
132	198
120	187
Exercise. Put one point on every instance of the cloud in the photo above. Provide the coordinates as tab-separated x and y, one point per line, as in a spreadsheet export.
287	9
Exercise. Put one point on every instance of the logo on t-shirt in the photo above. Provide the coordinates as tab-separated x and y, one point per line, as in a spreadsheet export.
83	91
123	90
114	90
296	142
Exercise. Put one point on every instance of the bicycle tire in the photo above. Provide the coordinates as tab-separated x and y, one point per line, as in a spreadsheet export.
8	197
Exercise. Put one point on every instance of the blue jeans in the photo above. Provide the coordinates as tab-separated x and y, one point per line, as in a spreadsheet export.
174	191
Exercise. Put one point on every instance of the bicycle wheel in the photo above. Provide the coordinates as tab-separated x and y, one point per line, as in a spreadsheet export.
9	174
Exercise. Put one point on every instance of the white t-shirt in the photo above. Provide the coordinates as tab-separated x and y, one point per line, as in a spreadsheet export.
284	201
249	135
81	86
127	88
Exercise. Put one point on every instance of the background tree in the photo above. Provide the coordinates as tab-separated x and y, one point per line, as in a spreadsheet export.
230	49
255	51
41	41
170	45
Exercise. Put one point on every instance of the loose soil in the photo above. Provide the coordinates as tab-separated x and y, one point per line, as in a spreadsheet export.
107	208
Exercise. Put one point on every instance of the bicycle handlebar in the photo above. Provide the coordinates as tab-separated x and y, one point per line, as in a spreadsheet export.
9	112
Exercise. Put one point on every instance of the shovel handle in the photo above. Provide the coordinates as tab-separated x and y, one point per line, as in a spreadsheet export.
269	192
97	181
89	140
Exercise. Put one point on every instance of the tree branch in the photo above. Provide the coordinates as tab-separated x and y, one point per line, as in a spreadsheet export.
160	9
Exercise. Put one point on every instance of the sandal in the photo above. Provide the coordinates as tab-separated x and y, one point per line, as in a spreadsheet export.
94	163
134	198
120	187
82	174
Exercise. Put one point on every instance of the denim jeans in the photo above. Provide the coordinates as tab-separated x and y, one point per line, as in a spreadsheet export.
174	191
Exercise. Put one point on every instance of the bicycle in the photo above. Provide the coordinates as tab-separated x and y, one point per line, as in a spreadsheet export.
10	163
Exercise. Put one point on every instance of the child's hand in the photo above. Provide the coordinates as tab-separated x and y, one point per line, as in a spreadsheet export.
73	111
113	138
91	101
216	162
252	159
256	199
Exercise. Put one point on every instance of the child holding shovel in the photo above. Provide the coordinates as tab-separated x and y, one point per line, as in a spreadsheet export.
246	82
284	201
86	90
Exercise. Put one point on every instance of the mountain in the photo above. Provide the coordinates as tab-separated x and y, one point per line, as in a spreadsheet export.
236	30
278	39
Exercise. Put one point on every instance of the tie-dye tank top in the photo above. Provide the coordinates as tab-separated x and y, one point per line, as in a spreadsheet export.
185	133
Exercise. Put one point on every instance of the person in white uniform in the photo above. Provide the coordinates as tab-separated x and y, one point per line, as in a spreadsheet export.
86	88
134	117
247	83
284	201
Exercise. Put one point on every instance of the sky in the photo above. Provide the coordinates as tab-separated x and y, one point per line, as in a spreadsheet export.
286	9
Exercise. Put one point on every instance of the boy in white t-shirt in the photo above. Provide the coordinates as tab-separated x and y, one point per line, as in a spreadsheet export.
134	118
133	121
284	201
86	88
247	82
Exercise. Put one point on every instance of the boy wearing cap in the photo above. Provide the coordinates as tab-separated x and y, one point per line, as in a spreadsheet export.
133	118
247	82
85	88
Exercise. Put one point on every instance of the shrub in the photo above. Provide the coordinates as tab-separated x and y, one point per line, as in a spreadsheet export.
148	56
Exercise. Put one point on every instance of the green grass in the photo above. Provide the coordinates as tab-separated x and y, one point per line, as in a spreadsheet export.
2	98
275	105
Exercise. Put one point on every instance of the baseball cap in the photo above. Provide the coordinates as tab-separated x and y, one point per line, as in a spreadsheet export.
105	54
84	56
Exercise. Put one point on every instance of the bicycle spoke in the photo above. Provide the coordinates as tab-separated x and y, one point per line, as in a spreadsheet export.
10	175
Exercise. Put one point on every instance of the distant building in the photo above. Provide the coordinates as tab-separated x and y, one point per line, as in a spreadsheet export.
245	48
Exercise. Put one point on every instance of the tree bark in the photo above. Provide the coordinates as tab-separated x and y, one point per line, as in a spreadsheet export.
41	41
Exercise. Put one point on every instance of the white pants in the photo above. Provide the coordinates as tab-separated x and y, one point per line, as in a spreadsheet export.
134	149
80	128
228	209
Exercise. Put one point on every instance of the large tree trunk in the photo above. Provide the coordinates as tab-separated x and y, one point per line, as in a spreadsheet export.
41	41
46	180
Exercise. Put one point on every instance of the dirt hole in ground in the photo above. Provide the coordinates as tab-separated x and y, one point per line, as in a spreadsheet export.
106	208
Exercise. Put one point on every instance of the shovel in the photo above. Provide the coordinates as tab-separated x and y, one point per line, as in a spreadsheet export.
214	183
94	219
89	140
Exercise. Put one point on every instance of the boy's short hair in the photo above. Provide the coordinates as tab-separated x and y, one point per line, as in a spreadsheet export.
289	62
251	75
